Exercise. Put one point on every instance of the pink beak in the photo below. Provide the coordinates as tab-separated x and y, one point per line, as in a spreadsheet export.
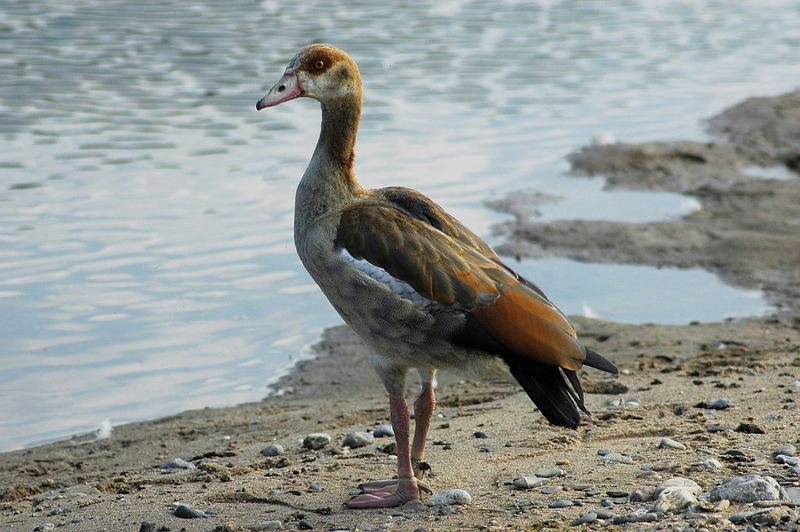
286	89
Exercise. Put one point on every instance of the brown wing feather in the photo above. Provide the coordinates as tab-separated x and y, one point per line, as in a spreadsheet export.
450	271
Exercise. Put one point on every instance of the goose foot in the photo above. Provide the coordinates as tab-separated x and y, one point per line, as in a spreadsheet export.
387	493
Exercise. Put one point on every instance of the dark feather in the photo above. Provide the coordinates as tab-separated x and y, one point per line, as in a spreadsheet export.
598	361
548	390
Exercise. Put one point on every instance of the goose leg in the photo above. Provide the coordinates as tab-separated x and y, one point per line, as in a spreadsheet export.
423	409
406	488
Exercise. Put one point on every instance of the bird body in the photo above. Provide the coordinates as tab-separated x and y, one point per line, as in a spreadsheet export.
418	286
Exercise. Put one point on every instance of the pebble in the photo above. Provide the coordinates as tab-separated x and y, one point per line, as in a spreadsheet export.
602	452
617	493
549	490
647	493
44	526
525	483
177	463
272	449
187	512
389	448
266	525
669	443
561	503
679	482
480	435
717	403
383	431
643	517
711	464
674	499
588	517
787	450
550	473
788	460
305	524
765	517
316	440
602	514
450	497
358	439
793	493
748	488
616	458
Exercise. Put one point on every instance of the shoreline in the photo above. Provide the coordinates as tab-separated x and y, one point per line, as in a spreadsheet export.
669	377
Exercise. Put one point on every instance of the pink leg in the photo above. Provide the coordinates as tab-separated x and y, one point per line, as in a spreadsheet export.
406	488
423	409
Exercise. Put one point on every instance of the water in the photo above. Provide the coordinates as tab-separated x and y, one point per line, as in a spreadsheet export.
146	262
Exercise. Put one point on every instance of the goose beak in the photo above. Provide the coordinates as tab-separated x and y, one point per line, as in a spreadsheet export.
288	88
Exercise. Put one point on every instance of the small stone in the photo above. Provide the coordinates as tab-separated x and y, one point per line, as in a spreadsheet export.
383	431
480	435
316	440
550	473
549	490
617	493
767	517
603	514
679	482
177	463
607	503
389	448
588	517
266	525
561	503
272	449
44	526
616	458
748	488
525	483
711	464
355	440
450	497
305	524
749	428
643	494
445	510
313	487
602	452
414	506
717	403
674	499
187	512
788	460
793	493
669	443
636	517
145	527
787	450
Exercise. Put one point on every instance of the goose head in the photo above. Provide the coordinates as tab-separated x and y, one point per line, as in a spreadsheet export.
319	71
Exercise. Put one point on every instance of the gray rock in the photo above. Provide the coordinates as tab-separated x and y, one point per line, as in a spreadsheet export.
602	452
266	525
177	463
44	526
669	443
788	460
561	503
748	488
718	403
766	517
316	440
187	512
787	449
793	493
480	435
305	524
643	494
616	458
711	464
383	431
674	499
450	497
603	514
588	517
358	439
272	449
550	473
525	483
549	490
636	517
679	482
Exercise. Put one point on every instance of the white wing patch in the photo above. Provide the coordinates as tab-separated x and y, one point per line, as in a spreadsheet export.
398	286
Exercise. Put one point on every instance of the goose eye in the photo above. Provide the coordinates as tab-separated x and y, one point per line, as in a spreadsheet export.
319	64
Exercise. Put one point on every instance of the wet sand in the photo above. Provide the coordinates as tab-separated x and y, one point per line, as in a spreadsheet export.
747	232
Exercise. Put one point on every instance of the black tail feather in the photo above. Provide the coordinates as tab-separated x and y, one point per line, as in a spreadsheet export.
598	361
549	391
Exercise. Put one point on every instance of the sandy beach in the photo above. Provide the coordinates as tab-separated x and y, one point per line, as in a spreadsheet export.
705	402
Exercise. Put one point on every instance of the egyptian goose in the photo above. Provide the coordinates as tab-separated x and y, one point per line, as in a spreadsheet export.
420	288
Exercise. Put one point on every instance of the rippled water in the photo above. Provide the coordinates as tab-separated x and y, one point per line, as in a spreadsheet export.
146	263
